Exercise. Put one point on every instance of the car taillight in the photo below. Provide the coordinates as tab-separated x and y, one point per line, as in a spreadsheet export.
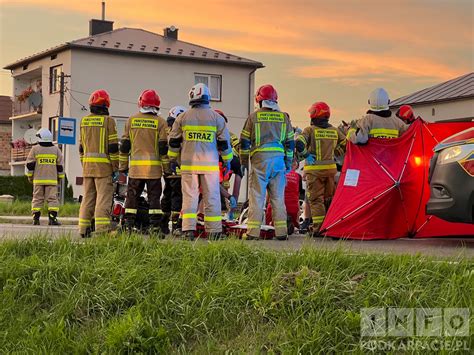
468	165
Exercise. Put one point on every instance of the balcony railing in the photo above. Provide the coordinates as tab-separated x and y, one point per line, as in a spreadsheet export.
25	107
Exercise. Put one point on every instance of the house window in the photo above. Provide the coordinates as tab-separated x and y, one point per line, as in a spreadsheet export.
54	78
213	82
53	127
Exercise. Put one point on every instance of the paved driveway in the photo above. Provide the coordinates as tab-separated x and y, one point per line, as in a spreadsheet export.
439	247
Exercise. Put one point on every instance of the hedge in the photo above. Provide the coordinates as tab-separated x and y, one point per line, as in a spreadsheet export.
21	188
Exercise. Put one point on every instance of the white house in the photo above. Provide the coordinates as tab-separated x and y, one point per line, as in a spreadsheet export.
452	100
124	62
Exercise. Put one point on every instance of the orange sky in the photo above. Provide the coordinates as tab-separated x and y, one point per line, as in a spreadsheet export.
336	51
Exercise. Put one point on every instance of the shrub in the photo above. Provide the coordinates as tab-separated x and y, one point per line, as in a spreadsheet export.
21	188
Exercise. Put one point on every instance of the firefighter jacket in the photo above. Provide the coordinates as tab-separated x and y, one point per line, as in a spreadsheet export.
267	131
235	143
318	145
200	134
98	146
143	143
45	164
377	126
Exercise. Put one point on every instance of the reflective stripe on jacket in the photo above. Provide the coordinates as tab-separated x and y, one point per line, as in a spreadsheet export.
267	131
45	165
143	134
98	146
199	135
321	144
373	126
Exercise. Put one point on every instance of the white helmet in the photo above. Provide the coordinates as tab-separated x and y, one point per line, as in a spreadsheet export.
199	94
378	100
176	111
44	135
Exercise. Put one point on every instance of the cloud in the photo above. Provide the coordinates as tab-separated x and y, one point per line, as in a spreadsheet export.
352	39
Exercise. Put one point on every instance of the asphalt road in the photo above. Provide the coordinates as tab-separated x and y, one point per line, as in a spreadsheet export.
438	247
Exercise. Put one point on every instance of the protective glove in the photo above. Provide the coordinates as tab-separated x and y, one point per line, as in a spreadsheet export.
115	176
288	164
173	167
311	159
232	202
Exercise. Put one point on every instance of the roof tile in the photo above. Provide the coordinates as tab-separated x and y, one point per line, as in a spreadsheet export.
458	88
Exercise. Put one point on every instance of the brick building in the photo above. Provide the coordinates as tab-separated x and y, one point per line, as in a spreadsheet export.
5	134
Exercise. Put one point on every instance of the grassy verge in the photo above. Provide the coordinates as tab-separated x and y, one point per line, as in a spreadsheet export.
135	295
23	208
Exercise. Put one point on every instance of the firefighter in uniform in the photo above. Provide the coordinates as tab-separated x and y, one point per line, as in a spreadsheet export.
98	149
268	138
45	169
200	134
143	143
317	144
172	199
226	174
406	114
378	122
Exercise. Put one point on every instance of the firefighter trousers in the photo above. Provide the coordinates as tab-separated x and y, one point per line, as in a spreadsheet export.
267	174
320	187
42	193
172	199
211	197
96	203
134	191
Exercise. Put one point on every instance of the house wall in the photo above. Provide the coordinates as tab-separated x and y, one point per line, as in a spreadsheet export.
451	110
5	148
22	78
126	76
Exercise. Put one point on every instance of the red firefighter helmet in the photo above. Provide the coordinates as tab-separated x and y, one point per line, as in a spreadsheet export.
319	110
149	98
99	98
405	113
266	92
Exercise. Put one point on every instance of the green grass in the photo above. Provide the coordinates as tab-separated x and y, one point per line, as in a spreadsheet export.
23	208
134	295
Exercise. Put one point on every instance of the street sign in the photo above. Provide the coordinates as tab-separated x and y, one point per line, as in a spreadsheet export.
67	130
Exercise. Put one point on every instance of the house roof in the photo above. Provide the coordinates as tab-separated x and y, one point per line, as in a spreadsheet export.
454	89
141	42
5	108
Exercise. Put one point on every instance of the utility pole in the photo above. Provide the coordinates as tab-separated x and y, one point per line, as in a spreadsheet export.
61	114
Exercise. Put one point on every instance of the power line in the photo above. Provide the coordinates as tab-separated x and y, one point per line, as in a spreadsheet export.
83	108
134	103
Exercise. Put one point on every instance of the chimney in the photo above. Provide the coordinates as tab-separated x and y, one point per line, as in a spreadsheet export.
100	26
171	32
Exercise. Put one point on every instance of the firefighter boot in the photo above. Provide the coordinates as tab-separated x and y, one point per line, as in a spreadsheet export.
305	226
188	235
176	225
164	223
129	222
36	218
53	218
155	226
87	234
